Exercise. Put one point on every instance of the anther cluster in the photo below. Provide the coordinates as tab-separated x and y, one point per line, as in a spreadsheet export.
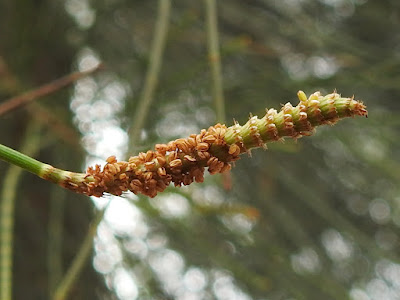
181	162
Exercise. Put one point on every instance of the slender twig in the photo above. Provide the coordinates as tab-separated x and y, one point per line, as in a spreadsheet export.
336	219
215	59
151	80
80	259
18	101
8	194
38	168
55	237
215	65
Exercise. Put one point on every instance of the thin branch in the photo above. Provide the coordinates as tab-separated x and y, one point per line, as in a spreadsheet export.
25	98
80	259
55	237
151	80
8	194
215	64
215	59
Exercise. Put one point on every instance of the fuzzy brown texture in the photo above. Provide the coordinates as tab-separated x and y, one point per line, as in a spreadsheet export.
181	162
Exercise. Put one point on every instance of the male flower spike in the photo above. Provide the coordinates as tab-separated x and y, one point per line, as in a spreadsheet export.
184	160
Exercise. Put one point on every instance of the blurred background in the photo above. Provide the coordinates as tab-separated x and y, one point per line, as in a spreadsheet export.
314	219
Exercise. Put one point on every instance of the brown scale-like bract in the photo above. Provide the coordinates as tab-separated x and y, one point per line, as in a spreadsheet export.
182	162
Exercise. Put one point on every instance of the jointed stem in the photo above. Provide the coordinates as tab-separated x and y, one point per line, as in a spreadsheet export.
80	259
215	58
151	80
8	195
21	160
20	100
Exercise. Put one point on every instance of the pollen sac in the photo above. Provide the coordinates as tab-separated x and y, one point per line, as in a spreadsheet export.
189	158
302	116
234	150
202	146
150	165
302	96
161	160
149	155
111	159
175	163
161	172
209	139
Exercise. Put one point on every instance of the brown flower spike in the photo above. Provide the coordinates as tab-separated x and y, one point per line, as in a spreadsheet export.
184	160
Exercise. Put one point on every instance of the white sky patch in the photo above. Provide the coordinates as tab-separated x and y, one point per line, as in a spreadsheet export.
377	289
137	247
112	140
125	285
174	124
385	286
295	65
322	66
358	294
156	241
82	13
122	216
87	60
224	287
168	265
390	272
107	252
300	67
336	246
238	223
306	261
208	196
195	279
171	205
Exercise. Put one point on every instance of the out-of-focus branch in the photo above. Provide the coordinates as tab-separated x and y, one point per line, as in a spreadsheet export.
55	239
215	59
215	64
25	98
151	80
8	195
80	259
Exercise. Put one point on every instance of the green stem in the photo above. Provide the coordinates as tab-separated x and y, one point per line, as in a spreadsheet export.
21	160
55	237
151	80
215	58
80	259
40	169
8	194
